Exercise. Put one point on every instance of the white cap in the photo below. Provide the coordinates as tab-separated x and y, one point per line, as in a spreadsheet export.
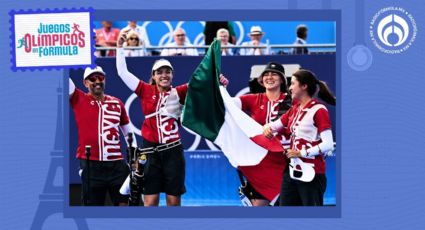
256	30
90	71
161	63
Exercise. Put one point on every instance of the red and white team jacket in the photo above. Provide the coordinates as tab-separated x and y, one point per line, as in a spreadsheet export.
305	125
265	177
162	111
264	111
98	125
260	107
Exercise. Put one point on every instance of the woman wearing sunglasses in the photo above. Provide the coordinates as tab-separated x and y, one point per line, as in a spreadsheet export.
133	45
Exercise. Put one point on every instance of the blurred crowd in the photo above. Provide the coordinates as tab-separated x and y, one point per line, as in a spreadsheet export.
138	43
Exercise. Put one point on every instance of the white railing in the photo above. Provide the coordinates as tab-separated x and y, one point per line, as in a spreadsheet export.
313	47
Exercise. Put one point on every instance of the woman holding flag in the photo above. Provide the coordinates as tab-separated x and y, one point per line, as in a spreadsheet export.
309	127
162	106
265	108
212	113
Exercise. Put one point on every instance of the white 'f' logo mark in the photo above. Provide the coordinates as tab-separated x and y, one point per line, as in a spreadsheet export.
393	24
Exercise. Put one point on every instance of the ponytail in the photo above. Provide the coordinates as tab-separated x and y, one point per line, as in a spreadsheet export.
325	93
306	77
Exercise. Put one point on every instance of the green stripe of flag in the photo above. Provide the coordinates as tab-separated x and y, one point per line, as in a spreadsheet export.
204	108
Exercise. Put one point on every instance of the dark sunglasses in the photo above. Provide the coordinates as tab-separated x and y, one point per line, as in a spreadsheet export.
134	39
180	35
96	77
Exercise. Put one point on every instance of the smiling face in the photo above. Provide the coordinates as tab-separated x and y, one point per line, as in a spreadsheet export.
297	90
163	77
95	83
133	40
271	80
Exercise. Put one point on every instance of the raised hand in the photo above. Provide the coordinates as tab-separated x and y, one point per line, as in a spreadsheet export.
122	38
223	80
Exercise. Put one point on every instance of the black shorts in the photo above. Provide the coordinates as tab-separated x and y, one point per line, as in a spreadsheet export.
299	193
165	171
105	176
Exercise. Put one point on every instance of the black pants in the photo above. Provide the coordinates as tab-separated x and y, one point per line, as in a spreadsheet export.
299	193
105	177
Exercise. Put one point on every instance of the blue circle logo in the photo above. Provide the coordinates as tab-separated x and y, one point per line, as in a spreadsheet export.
393	30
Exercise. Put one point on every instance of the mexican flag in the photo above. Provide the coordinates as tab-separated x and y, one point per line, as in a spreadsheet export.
211	112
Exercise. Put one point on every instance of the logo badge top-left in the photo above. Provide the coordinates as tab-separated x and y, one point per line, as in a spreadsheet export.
51	39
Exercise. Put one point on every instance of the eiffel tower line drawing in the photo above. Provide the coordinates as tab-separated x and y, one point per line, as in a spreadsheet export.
52	197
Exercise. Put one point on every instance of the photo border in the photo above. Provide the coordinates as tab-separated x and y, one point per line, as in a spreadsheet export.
207	211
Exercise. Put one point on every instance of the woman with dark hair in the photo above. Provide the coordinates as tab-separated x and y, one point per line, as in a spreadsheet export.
161	104
265	106
309	127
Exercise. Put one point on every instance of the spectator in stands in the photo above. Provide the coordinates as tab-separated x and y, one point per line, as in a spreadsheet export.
107	37
301	40
256	34
133	41
177	48
141	31
223	36
211	28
